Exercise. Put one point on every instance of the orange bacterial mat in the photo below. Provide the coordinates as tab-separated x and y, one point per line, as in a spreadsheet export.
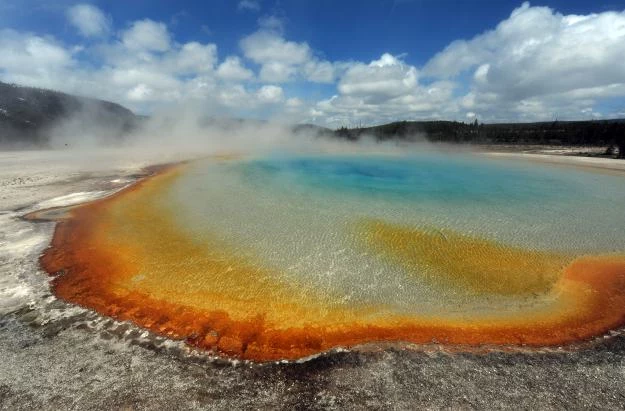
125	256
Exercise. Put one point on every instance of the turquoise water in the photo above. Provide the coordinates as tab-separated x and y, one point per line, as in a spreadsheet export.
515	202
429	178
298	214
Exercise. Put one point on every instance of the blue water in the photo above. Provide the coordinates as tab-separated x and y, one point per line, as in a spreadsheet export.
428	178
293	199
512	201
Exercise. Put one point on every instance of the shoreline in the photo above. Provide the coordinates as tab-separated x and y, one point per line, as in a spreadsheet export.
611	165
48	211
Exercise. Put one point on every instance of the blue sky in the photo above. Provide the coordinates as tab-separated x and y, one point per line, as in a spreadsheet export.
328	62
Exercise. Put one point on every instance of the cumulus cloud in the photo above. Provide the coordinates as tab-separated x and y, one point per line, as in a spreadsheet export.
534	65
145	77
147	35
32	59
319	71
139	70
269	47
379	80
536	60
193	57
89	20
277	72
282	60
385	89
232	69
270	94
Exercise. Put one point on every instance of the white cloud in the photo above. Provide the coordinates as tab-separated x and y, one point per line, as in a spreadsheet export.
277	72
432	102
234	96
139	78
147	35
264	47
89	20
379	80
533	63
31	59
232	69
319	71
188	58
282	60
145	77
249	5
270	94
386	89
193	57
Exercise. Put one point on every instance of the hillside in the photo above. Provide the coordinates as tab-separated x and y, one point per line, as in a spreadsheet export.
28	115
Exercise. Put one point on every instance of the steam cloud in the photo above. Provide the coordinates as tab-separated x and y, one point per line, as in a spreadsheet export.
185	132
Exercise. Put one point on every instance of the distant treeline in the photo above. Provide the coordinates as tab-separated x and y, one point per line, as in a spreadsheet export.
605	133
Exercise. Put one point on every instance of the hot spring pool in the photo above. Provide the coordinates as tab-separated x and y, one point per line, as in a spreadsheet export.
284	256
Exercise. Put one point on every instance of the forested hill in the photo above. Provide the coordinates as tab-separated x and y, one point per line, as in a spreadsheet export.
570	133
28	115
